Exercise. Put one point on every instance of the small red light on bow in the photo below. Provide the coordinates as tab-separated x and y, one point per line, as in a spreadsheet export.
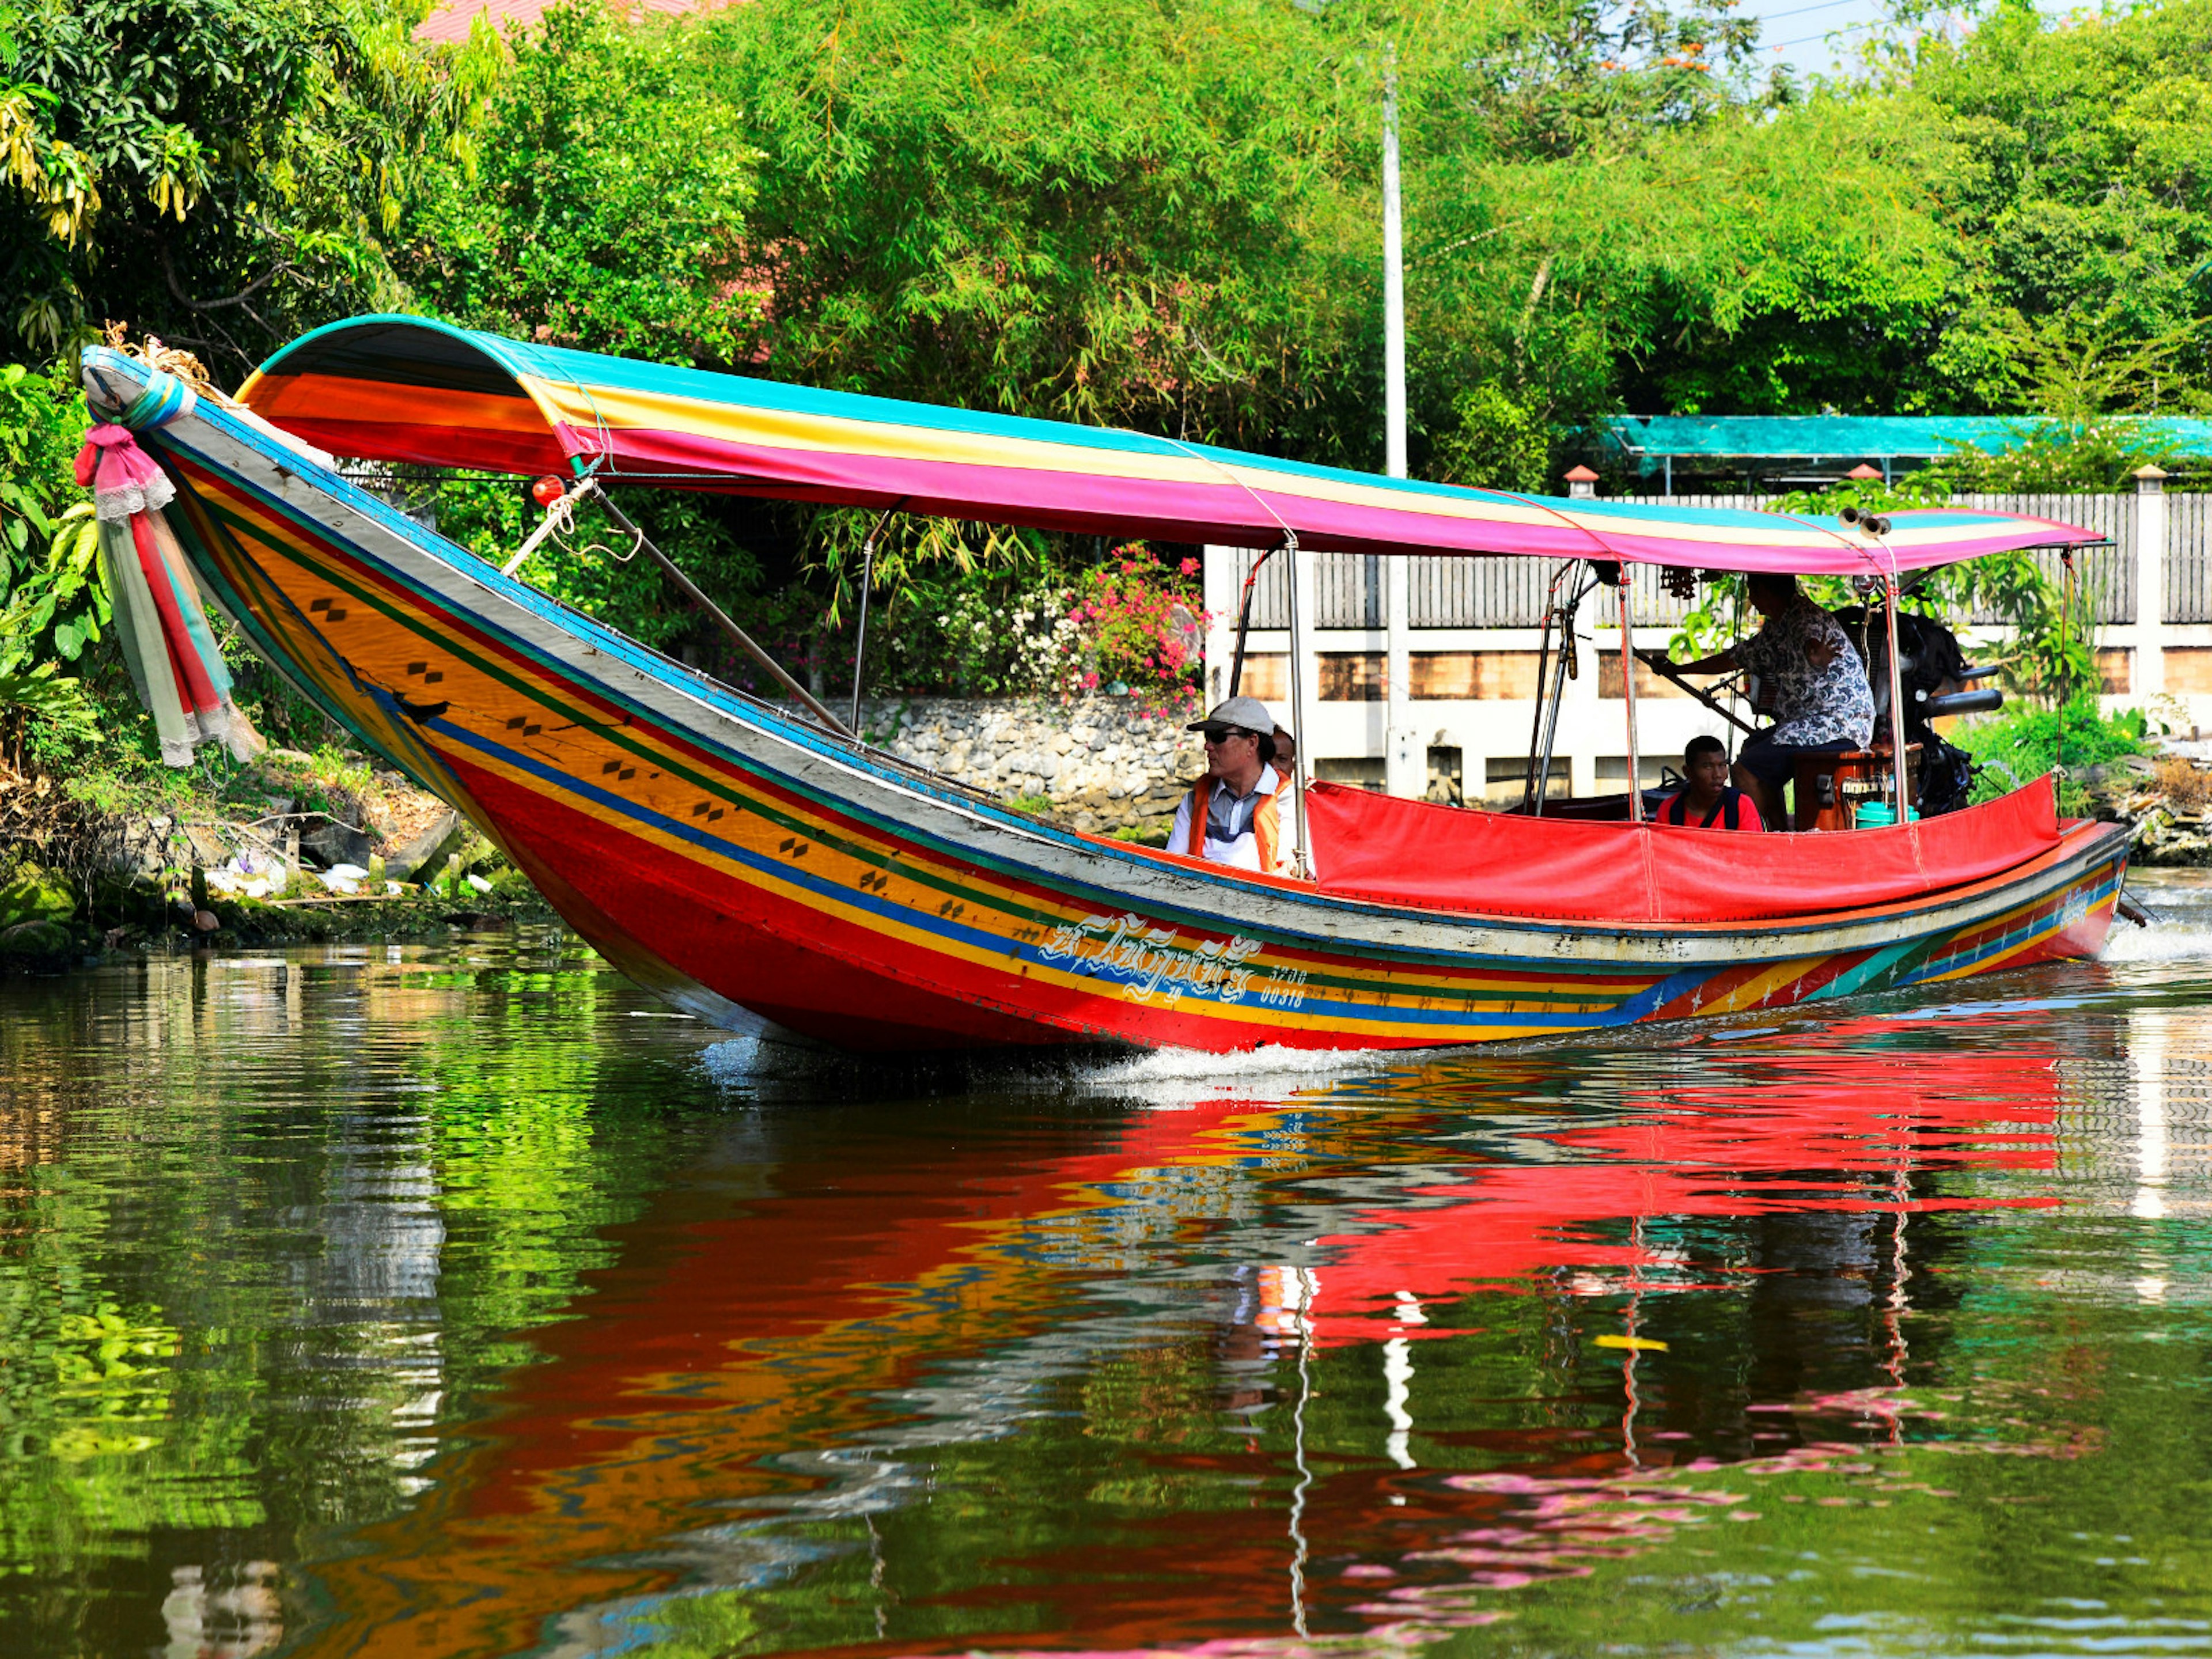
547	490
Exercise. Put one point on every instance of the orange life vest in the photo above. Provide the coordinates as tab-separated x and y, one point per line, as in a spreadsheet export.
1267	824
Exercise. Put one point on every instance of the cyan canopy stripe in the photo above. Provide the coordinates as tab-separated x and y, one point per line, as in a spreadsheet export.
411	390
1837	438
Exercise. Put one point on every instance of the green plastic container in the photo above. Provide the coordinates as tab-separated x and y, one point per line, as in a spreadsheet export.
1880	815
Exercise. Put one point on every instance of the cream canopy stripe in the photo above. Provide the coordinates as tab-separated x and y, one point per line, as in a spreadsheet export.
409	389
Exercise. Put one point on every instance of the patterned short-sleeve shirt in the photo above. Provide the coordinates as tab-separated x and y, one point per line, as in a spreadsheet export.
1811	706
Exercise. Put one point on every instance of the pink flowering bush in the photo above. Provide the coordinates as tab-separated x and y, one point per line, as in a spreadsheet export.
1129	626
1138	628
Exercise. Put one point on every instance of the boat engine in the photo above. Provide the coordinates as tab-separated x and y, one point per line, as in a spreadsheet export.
1937	681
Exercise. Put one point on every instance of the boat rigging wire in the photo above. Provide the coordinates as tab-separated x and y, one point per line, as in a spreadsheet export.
1290	550
640	543
560	515
752	646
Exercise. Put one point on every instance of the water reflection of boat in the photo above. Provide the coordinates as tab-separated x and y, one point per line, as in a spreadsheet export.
761	1369
751	865
1832	1138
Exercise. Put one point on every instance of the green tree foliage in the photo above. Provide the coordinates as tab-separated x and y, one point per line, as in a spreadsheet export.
2076	197
1497	442
2013	221
606	214
42	423
1106	210
52	600
225	171
608	210
1162	214
1739	264
2023	743
2103	453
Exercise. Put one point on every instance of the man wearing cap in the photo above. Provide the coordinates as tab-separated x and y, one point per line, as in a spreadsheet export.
1230	814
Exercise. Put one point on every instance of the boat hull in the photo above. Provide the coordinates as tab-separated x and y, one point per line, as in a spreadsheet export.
763	874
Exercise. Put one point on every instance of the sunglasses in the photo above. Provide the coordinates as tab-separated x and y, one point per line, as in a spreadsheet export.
1224	733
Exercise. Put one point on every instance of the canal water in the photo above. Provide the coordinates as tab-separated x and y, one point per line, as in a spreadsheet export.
458	1300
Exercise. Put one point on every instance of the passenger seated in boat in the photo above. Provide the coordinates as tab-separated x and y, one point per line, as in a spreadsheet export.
1230	814
1822	703
1287	799
1706	799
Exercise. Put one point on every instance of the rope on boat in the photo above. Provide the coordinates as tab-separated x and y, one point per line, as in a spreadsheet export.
1290	550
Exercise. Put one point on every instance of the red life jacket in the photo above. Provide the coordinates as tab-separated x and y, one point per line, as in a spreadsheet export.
1267	824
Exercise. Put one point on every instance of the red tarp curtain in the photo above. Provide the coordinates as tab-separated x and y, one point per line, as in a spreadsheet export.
1407	852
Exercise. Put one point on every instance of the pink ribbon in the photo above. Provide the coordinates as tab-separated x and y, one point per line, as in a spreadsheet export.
122	478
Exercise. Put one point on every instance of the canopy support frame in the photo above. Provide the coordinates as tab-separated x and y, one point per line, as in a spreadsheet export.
868	581
1544	729
1544	703
1298	722
1900	773
1245	618
1628	695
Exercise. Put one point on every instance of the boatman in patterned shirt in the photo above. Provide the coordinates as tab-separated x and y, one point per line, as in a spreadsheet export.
1822	703
1232	816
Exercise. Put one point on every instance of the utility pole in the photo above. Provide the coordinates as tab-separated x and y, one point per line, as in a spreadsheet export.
1405	759
1393	283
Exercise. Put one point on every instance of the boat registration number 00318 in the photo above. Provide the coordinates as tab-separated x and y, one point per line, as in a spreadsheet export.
1152	962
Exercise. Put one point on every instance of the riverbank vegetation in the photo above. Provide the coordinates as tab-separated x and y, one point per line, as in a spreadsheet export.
1163	217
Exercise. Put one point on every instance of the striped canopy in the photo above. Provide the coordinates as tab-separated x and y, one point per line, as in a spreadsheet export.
405	389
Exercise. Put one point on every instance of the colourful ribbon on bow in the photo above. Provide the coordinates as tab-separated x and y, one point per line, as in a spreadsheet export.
159	621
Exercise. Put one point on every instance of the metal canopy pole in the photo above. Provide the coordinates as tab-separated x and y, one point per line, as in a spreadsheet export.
1544	728
1900	775
1563	670
1628	698
1404	772
868	581
1301	733
1537	723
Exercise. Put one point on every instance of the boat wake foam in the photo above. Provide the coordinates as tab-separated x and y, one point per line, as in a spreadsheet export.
2175	940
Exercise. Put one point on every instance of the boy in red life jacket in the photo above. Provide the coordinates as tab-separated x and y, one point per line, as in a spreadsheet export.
1230	816
1707	799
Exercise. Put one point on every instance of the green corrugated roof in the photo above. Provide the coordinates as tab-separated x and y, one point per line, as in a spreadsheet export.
1817	438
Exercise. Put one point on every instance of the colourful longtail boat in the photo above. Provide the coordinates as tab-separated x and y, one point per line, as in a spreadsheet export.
761	870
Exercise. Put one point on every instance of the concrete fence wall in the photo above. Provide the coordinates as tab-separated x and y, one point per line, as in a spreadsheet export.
1473	636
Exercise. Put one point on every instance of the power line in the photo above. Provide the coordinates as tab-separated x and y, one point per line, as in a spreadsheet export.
1807	40
1799	11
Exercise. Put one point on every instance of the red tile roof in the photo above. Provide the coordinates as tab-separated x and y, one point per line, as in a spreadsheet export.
449	23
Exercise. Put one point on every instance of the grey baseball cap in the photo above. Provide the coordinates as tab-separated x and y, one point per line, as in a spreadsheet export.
1247	712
